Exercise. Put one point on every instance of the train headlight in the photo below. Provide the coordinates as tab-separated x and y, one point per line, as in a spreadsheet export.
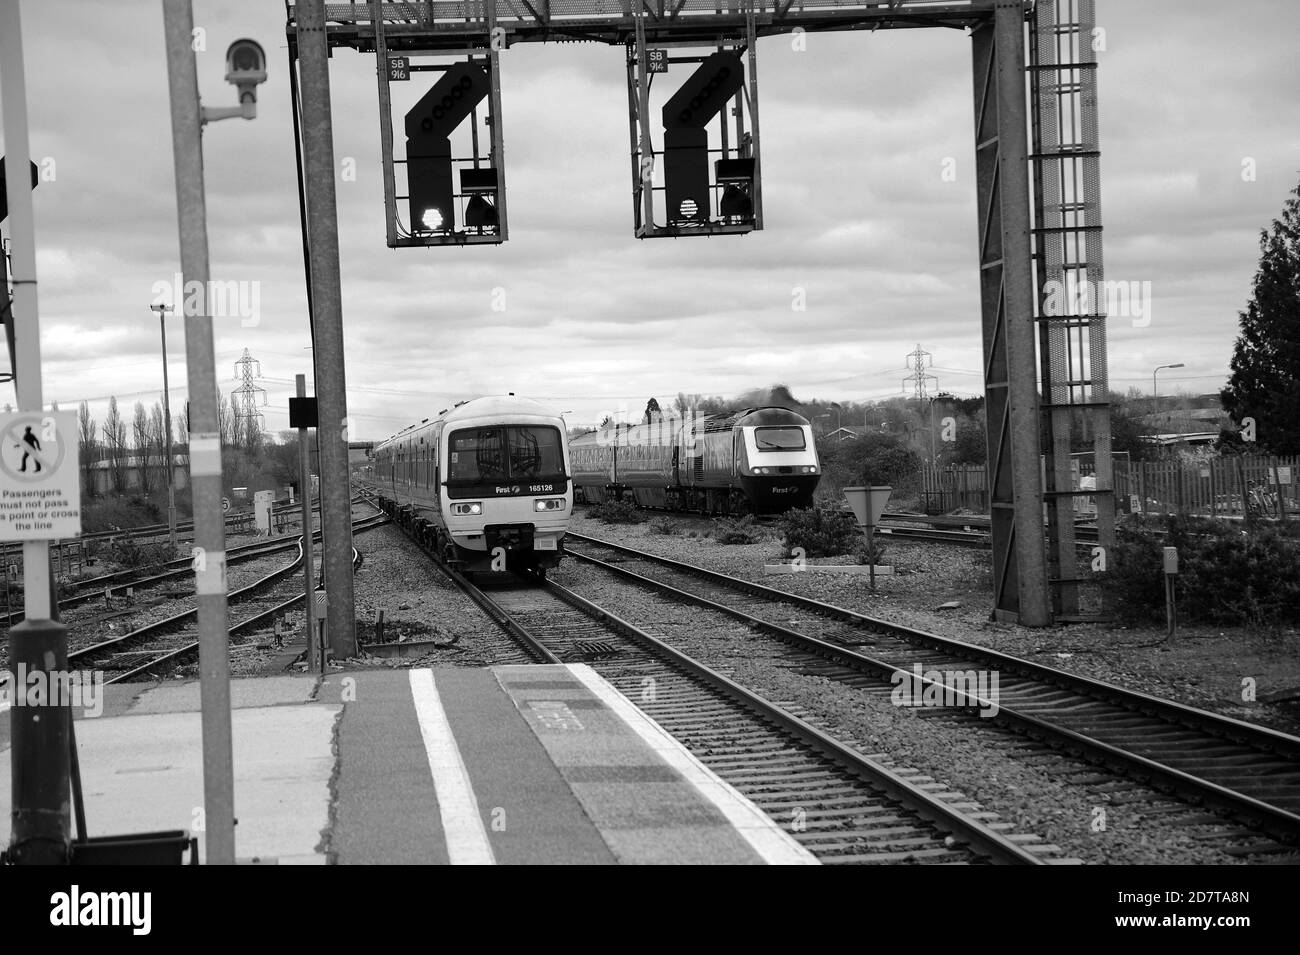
759	470
468	509
810	469
549	504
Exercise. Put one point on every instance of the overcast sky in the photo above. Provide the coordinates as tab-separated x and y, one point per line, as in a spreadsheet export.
856	133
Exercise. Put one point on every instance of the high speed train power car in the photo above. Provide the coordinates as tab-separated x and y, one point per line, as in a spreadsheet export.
760	460
486	484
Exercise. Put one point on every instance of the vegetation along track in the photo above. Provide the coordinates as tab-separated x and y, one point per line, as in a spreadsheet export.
1250	772
155	646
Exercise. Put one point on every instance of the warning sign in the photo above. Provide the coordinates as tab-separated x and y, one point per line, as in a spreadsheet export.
40	476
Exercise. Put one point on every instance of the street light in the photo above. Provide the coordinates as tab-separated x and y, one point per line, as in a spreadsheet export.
1155	385
162	311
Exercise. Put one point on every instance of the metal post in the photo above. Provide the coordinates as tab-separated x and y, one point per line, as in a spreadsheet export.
751	38
386	144
162	311
39	756
871	556
327	324
643	114
1171	600
497	124
1007	305
308	559
204	438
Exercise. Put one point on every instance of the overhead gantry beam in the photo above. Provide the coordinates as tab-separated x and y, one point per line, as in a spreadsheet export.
453	25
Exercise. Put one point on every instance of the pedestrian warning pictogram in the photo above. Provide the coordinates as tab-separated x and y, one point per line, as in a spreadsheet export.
40	476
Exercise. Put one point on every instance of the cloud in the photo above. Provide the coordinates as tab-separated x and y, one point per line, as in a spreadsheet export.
861	223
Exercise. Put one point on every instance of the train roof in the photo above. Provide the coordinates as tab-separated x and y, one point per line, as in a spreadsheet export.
489	406
745	418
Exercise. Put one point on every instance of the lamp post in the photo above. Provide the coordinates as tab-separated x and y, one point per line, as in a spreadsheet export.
1155	393
162	311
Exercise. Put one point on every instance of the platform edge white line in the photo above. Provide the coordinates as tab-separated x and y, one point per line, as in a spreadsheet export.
772	843
462	822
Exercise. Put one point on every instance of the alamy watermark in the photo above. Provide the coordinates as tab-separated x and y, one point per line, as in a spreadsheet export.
83	689
1114	299
232	299
946	688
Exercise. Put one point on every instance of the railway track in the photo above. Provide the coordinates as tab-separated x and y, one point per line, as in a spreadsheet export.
153	647
1251	773
104	586
843	806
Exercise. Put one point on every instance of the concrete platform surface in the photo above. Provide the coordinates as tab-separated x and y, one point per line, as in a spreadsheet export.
513	765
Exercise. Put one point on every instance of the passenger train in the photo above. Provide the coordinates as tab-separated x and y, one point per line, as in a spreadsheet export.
486	484
760	460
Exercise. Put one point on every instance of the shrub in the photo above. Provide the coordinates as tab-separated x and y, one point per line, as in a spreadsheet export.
1227	574
663	525
821	532
133	555
618	512
736	530
862	556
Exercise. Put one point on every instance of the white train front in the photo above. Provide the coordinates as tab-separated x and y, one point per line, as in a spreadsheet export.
486	484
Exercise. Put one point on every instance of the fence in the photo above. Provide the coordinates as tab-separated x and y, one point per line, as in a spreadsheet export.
1224	487
945	489
1218	487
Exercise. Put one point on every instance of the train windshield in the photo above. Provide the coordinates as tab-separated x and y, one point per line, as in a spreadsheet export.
779	439
514	453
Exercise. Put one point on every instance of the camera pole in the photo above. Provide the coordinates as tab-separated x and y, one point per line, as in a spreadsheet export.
204	440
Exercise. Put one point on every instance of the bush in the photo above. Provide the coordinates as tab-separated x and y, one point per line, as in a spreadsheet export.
867	460
821	532
133	555
737	530
663	525
618	512
862	556
1227	574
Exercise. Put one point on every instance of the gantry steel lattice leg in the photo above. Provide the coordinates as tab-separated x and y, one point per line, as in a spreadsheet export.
1072	293
1007	311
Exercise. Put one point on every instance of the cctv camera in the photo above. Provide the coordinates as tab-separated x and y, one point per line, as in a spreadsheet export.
246	68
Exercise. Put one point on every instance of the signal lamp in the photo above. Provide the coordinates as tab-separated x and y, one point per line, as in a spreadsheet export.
736	203
479	213
432	220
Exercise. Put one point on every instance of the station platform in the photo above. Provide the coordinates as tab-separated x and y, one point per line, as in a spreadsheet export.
509	765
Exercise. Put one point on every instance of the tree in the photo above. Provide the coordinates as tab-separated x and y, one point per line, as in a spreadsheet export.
158	438
115	444
140	434
1127	429
684	405
89	449
1265	380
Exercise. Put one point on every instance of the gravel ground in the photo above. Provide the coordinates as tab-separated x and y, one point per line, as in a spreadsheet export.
420	603
1207	667
1026	784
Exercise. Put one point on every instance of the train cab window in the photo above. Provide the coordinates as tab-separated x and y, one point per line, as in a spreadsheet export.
779	439
504	453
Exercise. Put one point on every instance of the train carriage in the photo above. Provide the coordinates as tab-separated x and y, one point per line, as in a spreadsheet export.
760	460
486	483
